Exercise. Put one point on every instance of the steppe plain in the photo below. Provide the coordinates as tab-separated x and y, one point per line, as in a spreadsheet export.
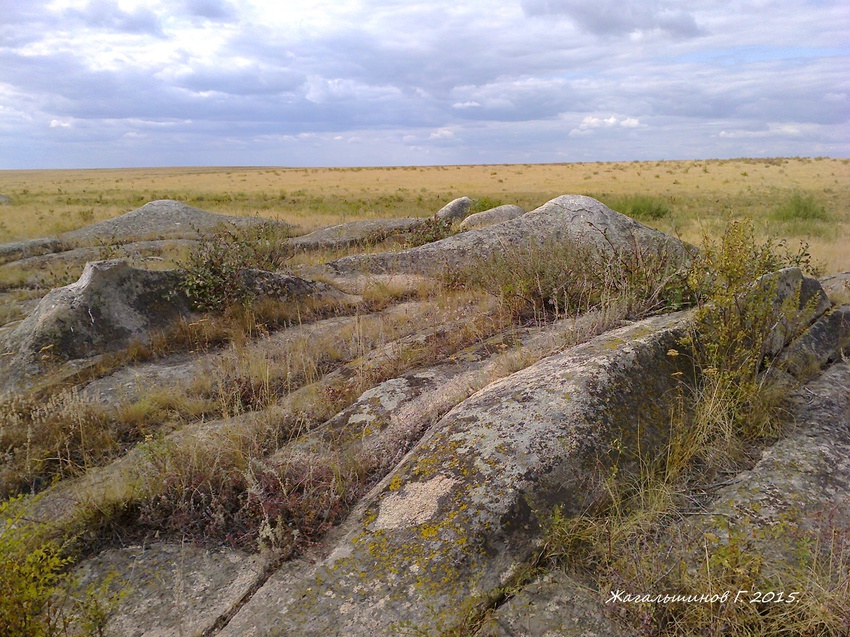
230	441
701	194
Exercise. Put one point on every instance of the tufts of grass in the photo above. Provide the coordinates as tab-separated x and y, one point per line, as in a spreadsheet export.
553	278
641	541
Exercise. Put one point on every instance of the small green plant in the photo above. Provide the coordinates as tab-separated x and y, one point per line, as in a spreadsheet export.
801	206
484	203
641	207
31	573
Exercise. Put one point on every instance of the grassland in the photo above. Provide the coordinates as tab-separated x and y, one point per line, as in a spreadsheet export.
794	198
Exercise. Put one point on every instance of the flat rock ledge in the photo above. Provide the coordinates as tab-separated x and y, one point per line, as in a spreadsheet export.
355	232
462	513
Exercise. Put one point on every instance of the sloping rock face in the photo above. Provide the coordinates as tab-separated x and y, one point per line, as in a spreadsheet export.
799	489
825	342
204	585
354	232
462	512
162	219
454	210
565	218
263	284
489	217
837	287
111	305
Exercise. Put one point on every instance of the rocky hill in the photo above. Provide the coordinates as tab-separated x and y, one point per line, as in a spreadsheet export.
554	422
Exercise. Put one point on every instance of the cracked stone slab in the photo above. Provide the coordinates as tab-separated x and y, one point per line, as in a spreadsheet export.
462	511
171	589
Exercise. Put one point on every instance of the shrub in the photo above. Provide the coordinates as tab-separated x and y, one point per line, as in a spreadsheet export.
801	206
431	230
212	278
30	575
641	207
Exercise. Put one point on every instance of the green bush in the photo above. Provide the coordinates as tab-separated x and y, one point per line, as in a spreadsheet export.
801	206
212	279
31	574
484	203
640	207
431	230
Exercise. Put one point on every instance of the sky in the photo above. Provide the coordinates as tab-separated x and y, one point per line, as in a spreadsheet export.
125	83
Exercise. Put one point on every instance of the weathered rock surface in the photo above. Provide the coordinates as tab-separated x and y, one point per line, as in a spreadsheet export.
137	252
162	219
552	606
811	302
799	489
170	589
489	217
567	218
826	341
837	287
111	305
454	210
29	248
5	200
262	284
354	232
462	511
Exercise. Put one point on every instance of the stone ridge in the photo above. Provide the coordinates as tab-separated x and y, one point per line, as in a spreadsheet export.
567	218
463	511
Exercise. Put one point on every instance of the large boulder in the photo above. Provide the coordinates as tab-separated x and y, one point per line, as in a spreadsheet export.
463	512
566	218
162	219
111	305
455	210
489	217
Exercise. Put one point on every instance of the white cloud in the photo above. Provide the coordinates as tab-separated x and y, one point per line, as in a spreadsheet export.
591	123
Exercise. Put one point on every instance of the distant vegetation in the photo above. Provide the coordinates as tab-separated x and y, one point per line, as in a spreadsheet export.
786	197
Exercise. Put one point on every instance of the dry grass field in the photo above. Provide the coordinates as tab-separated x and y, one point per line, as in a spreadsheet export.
794	198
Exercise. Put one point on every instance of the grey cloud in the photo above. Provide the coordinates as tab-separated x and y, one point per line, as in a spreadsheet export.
616	17
216	10
106	14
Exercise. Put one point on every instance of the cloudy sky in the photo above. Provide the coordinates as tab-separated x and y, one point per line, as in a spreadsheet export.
115	83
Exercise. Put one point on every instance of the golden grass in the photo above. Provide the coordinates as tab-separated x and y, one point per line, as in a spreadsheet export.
700	193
